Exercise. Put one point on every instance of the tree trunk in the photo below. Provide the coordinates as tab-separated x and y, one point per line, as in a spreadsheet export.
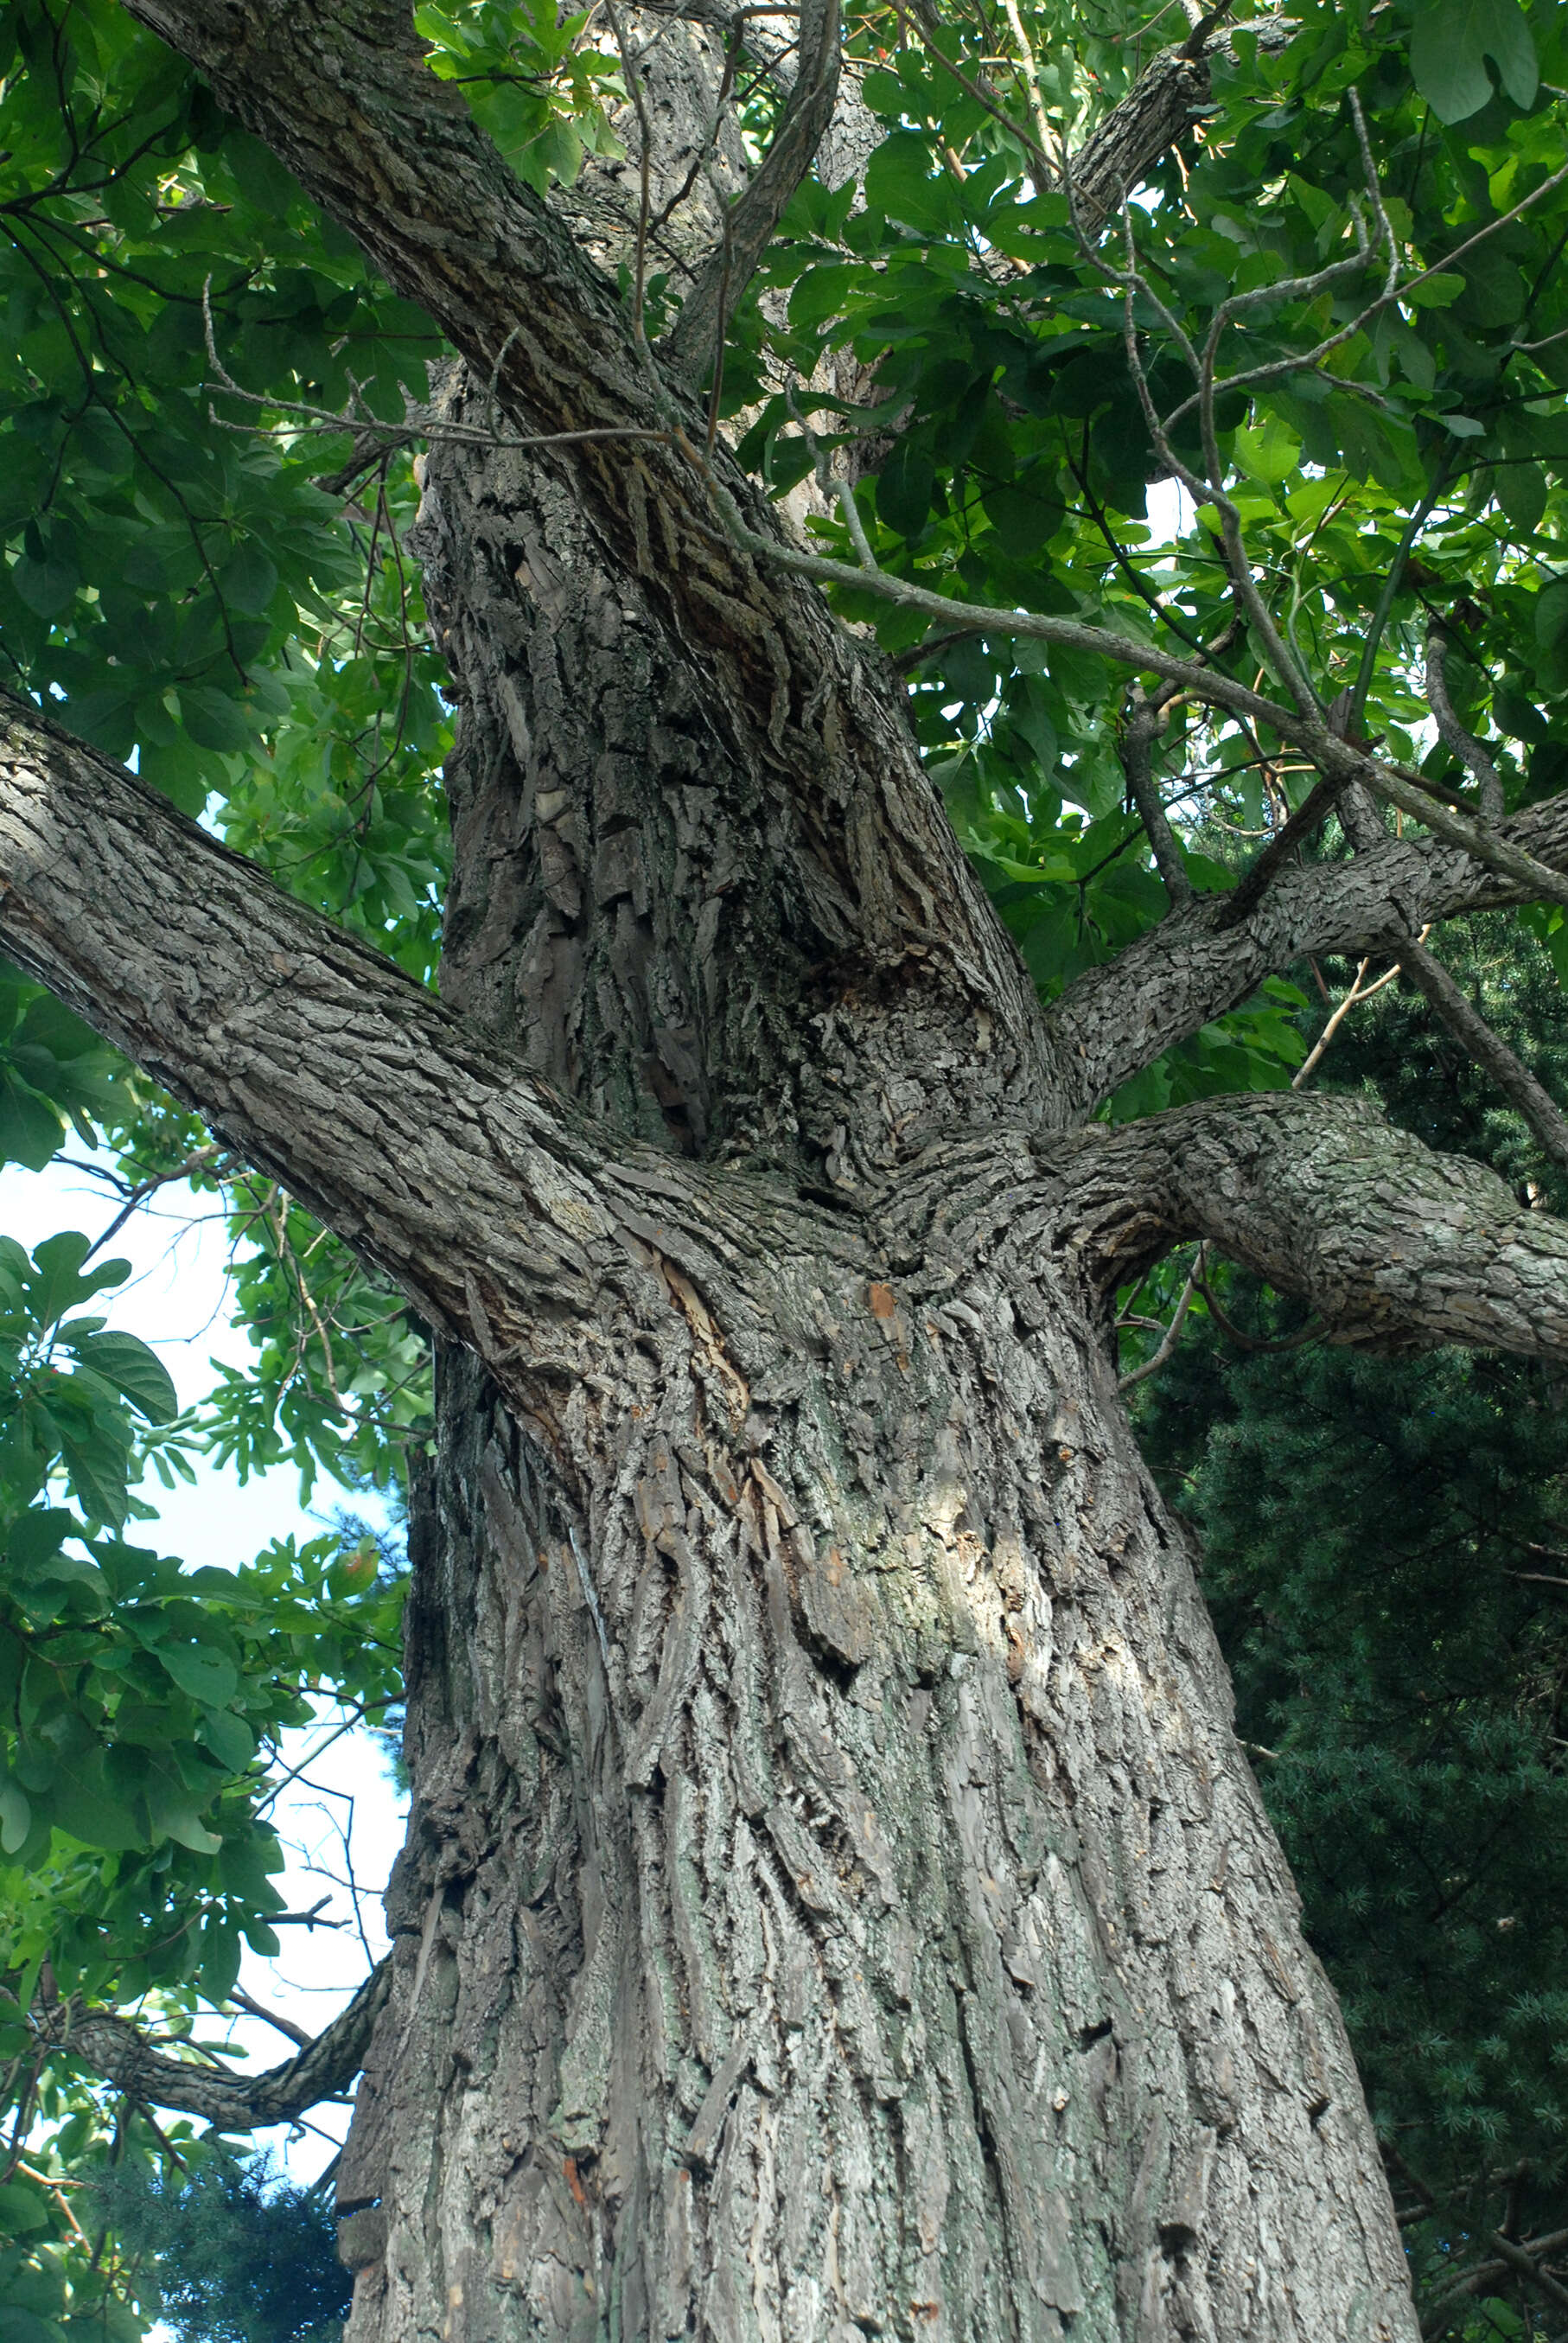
834	1899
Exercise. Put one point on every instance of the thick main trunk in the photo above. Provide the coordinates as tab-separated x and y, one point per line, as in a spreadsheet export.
835	1900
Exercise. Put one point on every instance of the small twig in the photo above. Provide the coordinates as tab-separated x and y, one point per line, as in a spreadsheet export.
1359	991
1172	1331
284	2025
301	1919
198	1162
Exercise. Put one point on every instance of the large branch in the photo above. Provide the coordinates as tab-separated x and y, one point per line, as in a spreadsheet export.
1197	964
110	2046
505	1221
1391	1244
861	846
693	341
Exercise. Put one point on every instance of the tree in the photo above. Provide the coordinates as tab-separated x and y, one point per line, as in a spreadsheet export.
240	2255
1377	1541
835	1896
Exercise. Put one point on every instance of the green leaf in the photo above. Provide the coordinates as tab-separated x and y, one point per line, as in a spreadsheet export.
204	1673
31	1131
98	1473
134	1370
48	583
248	579
1521	492
229	1738
21	2209
16	1816
1434	291
1269	453
65	1284
212	719
900	181
905	486
1449	44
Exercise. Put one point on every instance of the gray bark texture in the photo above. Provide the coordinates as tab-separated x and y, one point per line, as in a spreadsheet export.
834	1902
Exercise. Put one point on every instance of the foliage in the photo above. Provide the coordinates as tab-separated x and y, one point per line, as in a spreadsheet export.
531	80
230	2252
1383	1559
205	572
1421	474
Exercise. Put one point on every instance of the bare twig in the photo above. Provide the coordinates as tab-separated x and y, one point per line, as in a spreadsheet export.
199	1160
1359	990
1173	1331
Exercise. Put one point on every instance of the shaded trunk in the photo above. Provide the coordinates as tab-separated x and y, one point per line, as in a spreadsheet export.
834	1899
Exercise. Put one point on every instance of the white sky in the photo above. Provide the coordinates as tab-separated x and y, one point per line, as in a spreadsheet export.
176	1301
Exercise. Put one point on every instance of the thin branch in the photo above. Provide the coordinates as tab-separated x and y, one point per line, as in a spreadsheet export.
1356	708
1032	76
199	1160
927	26
750	222
1359	990
1141	729
1453	733
284	2025
1490	1051
1173	1331
1309	1333
1338	760
644	170
1308	361
1527	2265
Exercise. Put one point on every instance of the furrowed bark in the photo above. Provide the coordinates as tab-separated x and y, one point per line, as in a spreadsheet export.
734	964
1195	965
342	93
108	2045
1394	1245
834	1899
436	1155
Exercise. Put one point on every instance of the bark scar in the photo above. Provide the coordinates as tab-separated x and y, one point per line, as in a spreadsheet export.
708	1340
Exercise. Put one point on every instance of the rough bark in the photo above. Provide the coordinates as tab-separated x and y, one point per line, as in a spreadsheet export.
834	1901
834	1896
108	2045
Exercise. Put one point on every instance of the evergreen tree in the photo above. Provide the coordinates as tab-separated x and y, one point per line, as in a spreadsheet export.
233	2253
1386	1561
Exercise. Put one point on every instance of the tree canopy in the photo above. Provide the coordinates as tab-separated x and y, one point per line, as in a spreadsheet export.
1178	407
